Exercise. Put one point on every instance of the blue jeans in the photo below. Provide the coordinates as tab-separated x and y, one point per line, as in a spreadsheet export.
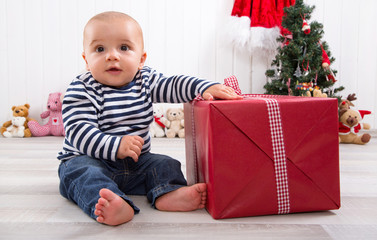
153	175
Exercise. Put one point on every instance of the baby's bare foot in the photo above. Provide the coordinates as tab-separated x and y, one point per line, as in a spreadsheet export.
184	199
112	209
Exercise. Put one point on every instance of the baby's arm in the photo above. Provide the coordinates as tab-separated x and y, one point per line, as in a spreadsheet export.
178	89
220	91
130	146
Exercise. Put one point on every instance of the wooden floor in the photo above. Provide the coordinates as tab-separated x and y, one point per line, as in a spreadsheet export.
32	208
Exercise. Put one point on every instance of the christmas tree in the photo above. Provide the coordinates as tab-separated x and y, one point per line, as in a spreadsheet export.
303	63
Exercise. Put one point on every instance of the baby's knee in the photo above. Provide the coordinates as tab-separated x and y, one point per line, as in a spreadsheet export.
171	163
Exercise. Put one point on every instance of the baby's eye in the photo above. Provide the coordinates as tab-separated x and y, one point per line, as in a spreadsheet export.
100	49
124	48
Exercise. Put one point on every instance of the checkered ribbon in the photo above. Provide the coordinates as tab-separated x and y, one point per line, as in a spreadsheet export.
278	147
233	83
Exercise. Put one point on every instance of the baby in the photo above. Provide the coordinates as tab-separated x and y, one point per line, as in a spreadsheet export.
107	112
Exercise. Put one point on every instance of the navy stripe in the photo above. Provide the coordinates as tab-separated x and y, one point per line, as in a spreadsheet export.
96	144
111	146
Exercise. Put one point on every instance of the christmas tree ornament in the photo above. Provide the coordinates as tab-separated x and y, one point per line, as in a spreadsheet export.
287	37
289	87
325	58
298	71
278	73
306	69
331	76
306	86
326	65
304	47
305	26
315	79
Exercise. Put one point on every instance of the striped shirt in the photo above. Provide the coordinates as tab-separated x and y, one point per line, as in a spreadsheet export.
96	116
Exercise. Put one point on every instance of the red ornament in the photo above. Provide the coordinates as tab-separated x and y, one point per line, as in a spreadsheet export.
331	77
305	27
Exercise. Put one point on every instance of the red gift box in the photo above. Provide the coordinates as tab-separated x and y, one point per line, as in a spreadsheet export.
264	154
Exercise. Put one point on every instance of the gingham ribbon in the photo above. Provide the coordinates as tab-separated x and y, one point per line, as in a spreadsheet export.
233	83
278	147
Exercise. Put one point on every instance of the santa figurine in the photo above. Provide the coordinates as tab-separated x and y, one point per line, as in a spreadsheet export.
305	27
325	58
326	65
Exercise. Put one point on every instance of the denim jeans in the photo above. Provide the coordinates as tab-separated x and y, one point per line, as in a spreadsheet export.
153	175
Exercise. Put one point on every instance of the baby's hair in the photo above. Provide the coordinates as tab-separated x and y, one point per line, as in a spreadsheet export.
105	16
112	15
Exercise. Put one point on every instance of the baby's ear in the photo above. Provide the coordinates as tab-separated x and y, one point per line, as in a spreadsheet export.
86	62
142	60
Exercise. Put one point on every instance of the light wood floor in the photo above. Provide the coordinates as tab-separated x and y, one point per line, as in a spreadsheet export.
32	208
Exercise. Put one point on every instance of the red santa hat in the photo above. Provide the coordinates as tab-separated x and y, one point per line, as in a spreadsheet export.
256	23
363	113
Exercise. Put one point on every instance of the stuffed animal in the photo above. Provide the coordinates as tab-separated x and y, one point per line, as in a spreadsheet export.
157	128
54	126
16	129
316	93
19	111
350	124
175	123
347	103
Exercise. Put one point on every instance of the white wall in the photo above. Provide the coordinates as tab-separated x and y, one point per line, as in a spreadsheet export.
41	44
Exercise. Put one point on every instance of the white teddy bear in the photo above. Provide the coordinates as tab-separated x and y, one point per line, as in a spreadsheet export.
17	128
174	123
157	128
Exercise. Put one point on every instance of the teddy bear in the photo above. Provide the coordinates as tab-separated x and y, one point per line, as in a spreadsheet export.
157	128
316	93
350	124
19	111
175	123
16	129
54	126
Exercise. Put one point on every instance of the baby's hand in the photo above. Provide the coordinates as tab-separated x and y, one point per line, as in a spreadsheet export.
220	91
130	146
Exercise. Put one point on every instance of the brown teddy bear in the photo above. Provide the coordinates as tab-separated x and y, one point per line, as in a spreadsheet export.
350	124
316	93
19	111
174	123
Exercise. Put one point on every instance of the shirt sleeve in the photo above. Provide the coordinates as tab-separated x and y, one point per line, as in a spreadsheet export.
177	88
80	117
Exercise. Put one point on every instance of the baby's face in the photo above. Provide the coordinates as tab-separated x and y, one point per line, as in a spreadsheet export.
113	51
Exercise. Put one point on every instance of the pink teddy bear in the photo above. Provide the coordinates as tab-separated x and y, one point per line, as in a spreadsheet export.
54	126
